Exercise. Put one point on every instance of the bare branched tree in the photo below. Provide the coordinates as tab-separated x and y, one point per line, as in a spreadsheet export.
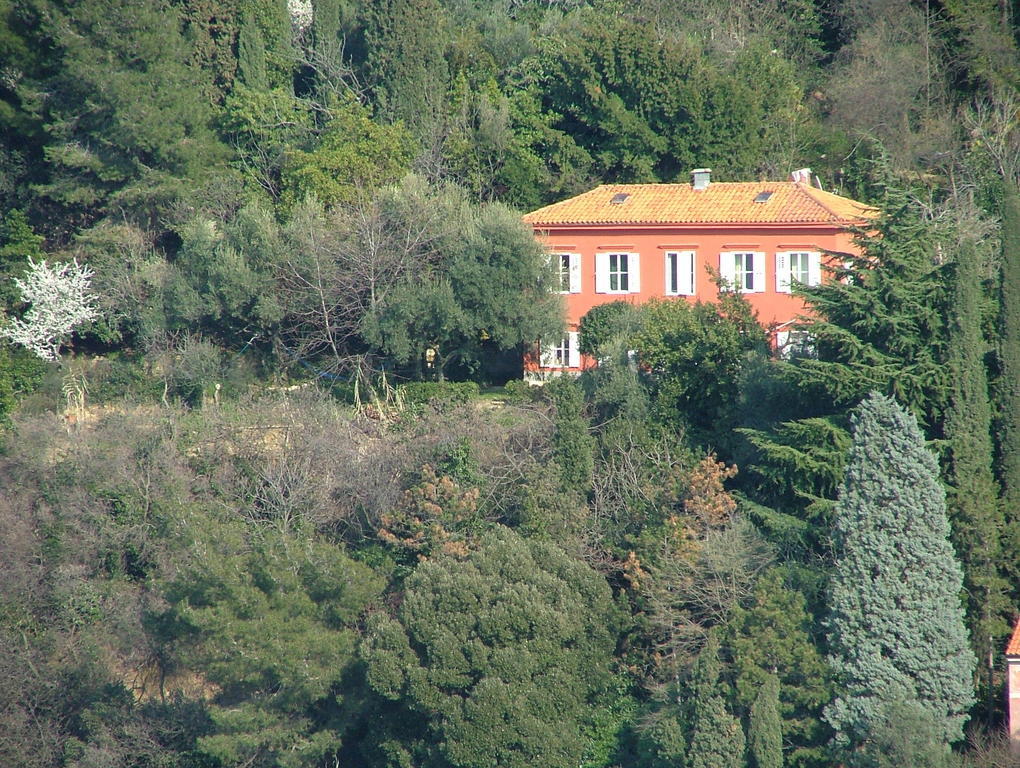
992	123
343	265
695	590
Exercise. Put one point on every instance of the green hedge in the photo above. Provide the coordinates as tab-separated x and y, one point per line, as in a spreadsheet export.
445	393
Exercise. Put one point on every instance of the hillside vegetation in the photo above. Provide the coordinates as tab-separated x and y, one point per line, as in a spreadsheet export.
256	511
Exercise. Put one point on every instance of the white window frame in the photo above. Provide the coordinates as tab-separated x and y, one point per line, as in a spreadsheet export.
562	354
737	279
568	269
785	277
604	272
679	278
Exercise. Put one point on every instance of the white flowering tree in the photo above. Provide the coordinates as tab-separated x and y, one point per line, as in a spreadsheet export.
301	14
60	299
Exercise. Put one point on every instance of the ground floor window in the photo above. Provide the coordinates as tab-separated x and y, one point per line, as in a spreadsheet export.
562	353
795	343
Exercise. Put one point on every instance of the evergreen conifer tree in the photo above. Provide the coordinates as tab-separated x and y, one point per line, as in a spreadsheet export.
974	508
716	738
251	55
404	65
896	628
772	636
272	18
326	33
1008	389
573	444
766	734
879	325
18	244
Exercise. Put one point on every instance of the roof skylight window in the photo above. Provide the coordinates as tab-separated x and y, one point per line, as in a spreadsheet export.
763	197
619	197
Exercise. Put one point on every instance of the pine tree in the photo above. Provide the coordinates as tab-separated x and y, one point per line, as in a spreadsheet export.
716	738
327	39
974	508
880	325
766	735
1008	390
124	110
896	628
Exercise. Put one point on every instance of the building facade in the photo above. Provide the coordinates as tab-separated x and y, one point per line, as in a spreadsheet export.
636	242
1013	689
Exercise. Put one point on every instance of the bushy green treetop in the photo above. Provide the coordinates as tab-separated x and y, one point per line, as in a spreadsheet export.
695	354
500	654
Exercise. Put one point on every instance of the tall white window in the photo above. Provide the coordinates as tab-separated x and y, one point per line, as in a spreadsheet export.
617	273
568	267
680	267
562	353
800	271
802	267
743	270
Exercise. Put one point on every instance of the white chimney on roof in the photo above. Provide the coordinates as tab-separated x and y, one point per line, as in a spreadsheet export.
701	178
801	176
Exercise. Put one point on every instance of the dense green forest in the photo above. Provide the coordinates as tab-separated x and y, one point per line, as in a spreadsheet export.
269	504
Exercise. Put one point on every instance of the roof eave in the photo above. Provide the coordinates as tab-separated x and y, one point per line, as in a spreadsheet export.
839	224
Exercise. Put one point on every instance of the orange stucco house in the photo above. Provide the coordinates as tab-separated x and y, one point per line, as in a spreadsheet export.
1013	689
640	241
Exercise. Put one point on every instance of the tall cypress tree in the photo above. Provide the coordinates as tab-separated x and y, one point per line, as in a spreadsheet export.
404	63
716	738
251	55
573	444
766	736
896	623
272	18
1008	389
974	508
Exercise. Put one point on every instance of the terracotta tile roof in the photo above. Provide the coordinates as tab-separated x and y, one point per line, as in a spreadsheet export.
1013	647
722	202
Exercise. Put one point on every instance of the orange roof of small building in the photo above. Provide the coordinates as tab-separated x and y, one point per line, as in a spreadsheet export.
720	203
1013	647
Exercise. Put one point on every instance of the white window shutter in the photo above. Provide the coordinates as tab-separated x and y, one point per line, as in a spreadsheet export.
782	272
814	269
601	273
726	270
633	273
759	273
575	273
782	339
548	357
573	353
685	264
